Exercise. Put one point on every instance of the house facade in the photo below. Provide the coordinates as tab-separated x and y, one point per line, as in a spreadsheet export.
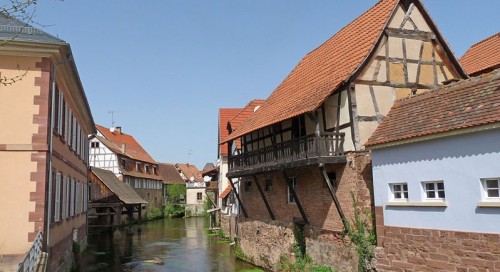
120	153
302	160
195	189
45	118
436	179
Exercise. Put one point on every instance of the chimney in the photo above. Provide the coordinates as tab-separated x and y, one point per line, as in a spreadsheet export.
119	130
124	148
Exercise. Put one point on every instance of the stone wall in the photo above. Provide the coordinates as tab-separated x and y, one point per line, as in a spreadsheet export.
412	249
264	242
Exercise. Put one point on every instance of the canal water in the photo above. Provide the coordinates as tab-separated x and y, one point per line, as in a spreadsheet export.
183	244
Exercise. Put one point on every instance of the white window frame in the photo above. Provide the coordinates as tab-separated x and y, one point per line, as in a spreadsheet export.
60	113
393	191
290	198
72	199
485	189
435	190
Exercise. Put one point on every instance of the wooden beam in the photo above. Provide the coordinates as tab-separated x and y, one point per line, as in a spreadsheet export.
351	91
297	200
238	197
333	195
394	85
402	60
375	104
410	34
271	214
211	201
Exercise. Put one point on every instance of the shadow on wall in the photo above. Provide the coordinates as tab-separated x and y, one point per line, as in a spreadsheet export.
460	146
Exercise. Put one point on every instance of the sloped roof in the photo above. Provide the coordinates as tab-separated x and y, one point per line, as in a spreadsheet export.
322	71
189	171
225	114
482	56
226	191
464	104
133	149
14	29
244	114
122	190
170	174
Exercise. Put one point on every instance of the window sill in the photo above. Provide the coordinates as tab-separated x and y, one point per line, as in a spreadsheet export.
488	204
417	204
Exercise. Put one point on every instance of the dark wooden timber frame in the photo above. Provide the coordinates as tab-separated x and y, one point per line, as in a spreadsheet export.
332	194
238	197
297	200
271	214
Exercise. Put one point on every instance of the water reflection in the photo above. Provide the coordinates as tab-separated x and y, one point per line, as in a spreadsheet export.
181	244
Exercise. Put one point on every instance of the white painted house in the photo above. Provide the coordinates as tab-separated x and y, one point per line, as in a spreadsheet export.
436	173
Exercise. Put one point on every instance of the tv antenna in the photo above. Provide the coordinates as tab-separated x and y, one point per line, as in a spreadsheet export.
112	118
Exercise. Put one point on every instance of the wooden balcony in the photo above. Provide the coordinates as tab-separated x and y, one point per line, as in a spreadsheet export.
303	151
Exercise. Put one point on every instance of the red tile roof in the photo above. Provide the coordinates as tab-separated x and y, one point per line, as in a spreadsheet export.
170	174
226	191
464	104
482	56
225	114
322	71
133	149
189	171
244	114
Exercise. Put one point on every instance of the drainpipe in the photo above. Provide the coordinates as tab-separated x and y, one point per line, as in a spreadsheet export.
51	153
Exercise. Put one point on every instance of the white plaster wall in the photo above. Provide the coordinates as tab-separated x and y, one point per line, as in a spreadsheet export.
103	157
460	161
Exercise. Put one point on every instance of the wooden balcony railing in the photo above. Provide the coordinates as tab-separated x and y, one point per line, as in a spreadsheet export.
327	145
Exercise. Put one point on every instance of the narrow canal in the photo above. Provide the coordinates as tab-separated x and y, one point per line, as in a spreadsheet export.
181	244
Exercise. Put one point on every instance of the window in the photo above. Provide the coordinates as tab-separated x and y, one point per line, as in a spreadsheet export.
434	190
124	164
146	169
399	191
60	114
137	167
57	206
94	145
248	185
199	196
293	182
269	185
72	198
491	188
154	171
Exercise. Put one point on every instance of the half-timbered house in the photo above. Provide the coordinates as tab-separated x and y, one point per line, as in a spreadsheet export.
302	158
120	153
195	188
45	120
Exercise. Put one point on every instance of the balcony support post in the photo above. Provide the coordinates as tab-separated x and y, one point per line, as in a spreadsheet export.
333	195
271	214
238	197
297	201
317	132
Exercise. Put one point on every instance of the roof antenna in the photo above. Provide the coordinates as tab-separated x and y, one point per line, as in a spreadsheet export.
112	118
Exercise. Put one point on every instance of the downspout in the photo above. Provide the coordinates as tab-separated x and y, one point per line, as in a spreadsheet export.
51	153
51	139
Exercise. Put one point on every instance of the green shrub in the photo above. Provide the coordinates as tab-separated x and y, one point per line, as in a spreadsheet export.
154	213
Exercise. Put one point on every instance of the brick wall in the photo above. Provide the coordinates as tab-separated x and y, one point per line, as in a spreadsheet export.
260	236
413	249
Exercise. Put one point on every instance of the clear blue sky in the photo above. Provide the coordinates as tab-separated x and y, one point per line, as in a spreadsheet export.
166	67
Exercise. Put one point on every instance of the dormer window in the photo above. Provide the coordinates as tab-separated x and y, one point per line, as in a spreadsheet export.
154	171
124	164
146	169
138	167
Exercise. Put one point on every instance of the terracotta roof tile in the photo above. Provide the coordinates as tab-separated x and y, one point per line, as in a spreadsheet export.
133	149
322	71
226	191
482	56
189	171
464	104
170	174
225	114
244	114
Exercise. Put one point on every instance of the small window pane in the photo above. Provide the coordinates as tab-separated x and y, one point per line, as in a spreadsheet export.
492	184
441	194
493	193
431	194
440	186
429	186
406	194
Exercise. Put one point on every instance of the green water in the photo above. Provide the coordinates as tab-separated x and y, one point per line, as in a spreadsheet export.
182	245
